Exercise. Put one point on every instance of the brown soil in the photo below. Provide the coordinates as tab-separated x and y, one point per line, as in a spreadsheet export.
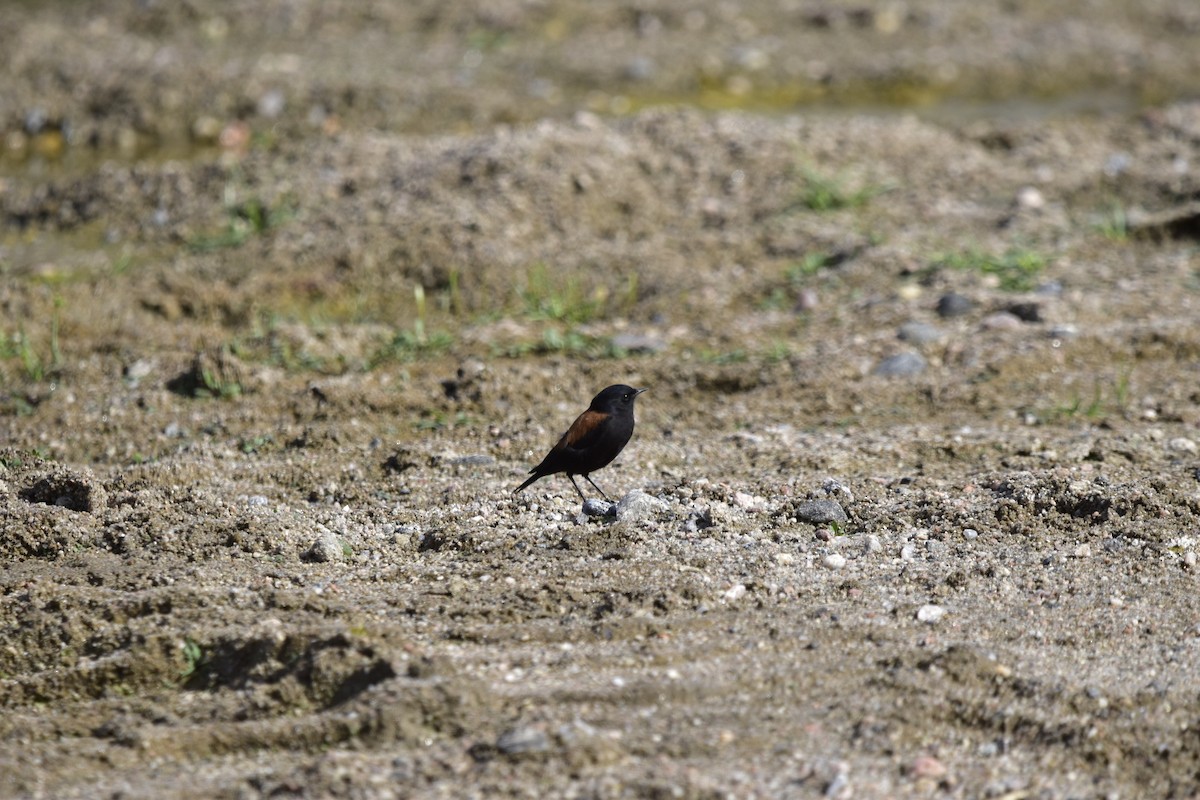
294	293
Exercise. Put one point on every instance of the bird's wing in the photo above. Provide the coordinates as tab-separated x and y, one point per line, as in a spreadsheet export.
583	431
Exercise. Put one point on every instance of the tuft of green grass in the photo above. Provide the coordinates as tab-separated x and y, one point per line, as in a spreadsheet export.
1017	270
822	193
569	343
409	345
214	382
546	298
798	275
36	365
1115	224
255	444
736	356
244	220
193	658
440	420
1108	397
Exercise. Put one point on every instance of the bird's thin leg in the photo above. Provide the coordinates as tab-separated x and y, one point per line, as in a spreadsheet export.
576	485
588	478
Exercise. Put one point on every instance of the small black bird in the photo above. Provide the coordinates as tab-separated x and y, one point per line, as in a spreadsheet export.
593	440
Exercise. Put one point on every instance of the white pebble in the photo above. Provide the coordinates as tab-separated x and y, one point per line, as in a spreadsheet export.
1031	198
930	613
735	592
749	502
834	561
970	533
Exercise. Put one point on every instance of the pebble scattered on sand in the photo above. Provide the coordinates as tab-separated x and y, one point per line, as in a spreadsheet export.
638	343
521	740
639	505
1000	321
326	548
919	333
834	561
599	508
930	613
953	304
820	512
901	365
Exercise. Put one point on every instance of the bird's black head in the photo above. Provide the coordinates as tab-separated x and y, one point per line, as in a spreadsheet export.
616	399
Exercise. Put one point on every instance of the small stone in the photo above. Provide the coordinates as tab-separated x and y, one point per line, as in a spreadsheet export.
970	533
908	552
271	103
698	520
930	613
821	512
734	593
953	304
638	343
927	767
749	502
1000	321
522	740
831	486
257	500
476	460
599	508
920	333
1031	198
901	365
639	505
1083	551
326	548
1182	445
1063	331
807	299
834	561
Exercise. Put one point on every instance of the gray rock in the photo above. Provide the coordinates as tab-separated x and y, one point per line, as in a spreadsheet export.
599	508
639	505
478	460
327	547
1000	321
821	512
901	365
522	740
920	333
953	304
638	343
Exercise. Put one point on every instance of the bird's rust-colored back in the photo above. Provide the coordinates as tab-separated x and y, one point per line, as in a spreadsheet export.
585	425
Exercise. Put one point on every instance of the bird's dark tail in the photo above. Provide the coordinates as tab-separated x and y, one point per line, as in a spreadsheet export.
528	481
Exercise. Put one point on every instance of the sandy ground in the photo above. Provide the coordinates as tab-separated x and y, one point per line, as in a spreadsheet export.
294	294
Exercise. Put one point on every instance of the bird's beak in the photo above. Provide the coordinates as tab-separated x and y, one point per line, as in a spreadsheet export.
636	392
